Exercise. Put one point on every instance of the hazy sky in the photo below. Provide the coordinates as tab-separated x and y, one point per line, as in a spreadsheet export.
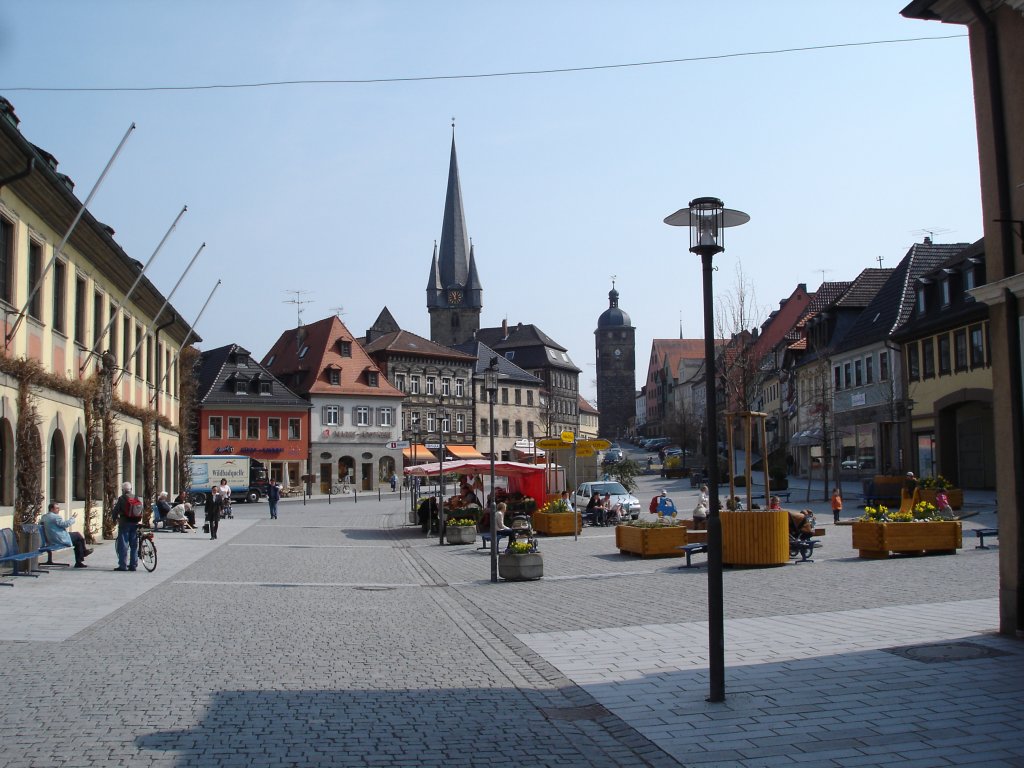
839	155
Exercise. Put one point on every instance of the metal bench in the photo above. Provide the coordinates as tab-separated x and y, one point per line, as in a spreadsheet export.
9	554
981	533
49	548
690	550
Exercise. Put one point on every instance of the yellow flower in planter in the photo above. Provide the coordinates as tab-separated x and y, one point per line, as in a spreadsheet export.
462	522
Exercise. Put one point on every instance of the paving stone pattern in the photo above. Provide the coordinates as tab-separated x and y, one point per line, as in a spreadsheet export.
339	635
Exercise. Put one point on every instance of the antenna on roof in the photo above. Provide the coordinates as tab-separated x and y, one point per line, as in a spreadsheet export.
823	271
680	324
298	301
879	259
929	233
339	311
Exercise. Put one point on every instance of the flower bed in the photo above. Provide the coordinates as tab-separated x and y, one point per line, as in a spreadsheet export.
650	539
881	532
557	523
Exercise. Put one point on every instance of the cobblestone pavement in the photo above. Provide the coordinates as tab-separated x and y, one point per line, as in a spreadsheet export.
338	635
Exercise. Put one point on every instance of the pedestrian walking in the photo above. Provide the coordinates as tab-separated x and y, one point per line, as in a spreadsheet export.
394	482
273	496
128	513
213	509
837	504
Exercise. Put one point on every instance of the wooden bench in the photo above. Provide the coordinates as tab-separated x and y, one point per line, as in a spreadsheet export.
981	533
9	554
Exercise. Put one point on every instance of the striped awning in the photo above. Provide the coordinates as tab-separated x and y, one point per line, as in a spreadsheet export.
464	452
418	453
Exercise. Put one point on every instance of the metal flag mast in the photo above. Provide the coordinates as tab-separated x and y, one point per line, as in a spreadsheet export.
64	241
184	342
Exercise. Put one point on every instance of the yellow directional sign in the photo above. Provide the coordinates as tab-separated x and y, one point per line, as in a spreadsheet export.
599	444
583	450
568	437
551	444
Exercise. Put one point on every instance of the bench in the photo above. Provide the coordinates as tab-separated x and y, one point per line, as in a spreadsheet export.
803	548
981	533
9	554
692	549
49	548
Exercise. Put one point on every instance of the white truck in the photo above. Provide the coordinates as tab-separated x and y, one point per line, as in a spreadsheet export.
246	476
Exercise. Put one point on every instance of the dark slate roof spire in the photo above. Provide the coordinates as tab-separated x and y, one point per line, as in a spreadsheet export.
453	258
435	291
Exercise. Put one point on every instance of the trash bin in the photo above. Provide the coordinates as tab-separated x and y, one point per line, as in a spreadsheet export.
29	540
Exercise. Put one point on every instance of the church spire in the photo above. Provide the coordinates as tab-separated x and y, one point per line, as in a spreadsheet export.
453	257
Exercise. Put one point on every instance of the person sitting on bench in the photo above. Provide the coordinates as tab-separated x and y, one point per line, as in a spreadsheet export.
177	518
801	524
57	531
500	529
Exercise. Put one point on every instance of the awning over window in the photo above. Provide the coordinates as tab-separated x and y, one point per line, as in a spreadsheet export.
418	453
464	452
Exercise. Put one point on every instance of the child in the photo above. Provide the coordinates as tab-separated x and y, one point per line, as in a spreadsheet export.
837	505
942	503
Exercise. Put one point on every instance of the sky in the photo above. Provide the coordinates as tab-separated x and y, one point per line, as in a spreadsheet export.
333	194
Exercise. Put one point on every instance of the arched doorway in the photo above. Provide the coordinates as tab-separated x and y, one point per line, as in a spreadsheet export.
57	469
140	474
386	468
346	470
126	465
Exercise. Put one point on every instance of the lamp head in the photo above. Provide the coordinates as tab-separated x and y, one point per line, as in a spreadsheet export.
707	218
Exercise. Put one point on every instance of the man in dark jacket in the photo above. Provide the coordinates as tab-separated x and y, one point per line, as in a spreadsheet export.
128	513
273	496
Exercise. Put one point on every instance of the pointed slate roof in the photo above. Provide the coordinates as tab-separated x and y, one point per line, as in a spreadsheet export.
219	371
385	323
894	301
532	347
507	370
408	343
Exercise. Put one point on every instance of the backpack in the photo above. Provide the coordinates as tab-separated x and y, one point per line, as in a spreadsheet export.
133	509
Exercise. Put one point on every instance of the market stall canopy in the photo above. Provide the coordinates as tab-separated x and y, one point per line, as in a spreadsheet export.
418	452
463	451
527	479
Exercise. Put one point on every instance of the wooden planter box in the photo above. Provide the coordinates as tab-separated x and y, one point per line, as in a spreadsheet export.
524	567
756	537
462	534
877	540
956	496
651	542
557	523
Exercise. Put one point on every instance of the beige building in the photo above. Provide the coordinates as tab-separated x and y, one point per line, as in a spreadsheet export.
62	311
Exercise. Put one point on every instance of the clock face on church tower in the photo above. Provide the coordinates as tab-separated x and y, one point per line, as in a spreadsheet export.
454	296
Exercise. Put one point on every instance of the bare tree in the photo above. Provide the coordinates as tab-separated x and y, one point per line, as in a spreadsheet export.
737	316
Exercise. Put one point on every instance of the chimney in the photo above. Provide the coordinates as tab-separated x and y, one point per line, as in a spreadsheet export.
504	328
927	240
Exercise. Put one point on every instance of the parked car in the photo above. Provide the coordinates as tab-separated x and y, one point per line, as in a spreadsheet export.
613	456
850	464
618	495
657	443
669	450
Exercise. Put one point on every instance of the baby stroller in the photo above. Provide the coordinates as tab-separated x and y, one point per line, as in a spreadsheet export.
801	533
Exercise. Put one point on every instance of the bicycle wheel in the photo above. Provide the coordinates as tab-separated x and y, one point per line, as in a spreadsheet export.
147	554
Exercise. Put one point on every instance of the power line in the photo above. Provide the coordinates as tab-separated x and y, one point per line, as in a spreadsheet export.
469	76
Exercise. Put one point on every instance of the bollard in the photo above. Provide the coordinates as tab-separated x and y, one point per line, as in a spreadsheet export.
355	496
378	493
328	495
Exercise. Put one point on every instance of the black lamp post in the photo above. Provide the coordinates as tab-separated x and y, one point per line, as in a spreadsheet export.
707	219
491	386
440	440
415	478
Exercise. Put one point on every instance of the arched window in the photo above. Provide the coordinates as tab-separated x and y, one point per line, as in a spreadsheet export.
140	482
57	466
126	465
177	473
78	469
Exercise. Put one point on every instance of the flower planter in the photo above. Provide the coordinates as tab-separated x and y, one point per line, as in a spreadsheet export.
956	496
757	537
557	523
524	567
663	541
462	534
877	540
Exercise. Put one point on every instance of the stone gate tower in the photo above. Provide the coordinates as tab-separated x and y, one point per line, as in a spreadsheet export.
616	369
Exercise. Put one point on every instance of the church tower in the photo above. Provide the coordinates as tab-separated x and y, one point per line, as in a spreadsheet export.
616	369
454	295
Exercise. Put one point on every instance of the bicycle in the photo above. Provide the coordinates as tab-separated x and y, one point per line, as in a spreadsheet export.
147	550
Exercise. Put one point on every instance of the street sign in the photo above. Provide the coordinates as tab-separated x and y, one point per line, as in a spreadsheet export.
568	437
583	450
432	446
550	444
397	444
599	444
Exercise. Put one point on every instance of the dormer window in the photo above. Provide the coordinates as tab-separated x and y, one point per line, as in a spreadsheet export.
241	387
922	304
969	279
344	348
334	376
372	379
944	287
264	387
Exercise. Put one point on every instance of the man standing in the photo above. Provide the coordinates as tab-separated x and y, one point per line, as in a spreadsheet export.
57	532
273	496
128	513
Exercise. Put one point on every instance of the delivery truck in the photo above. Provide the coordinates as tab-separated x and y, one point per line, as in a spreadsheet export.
246	476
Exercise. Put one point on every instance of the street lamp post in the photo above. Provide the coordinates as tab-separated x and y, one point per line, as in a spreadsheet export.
491	386
707	219
440	440
415	478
